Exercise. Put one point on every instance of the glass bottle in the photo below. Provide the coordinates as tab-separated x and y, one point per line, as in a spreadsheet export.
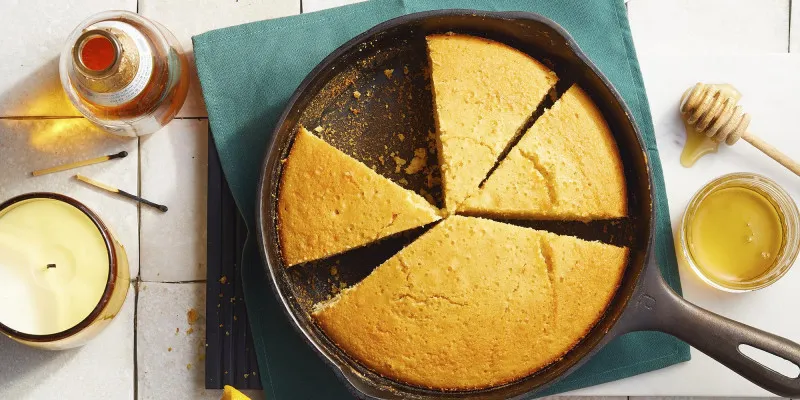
124	73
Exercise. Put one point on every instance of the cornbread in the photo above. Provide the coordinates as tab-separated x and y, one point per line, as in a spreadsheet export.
566	166
474	303
329	202
484	91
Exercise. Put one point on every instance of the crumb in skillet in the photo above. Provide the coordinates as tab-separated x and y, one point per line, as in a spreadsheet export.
399	162
388	73
427	196
357	94
418	162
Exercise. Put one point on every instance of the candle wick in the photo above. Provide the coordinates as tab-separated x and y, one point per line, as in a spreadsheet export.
51	266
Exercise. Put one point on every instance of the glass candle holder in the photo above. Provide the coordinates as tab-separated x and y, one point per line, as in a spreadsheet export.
63	275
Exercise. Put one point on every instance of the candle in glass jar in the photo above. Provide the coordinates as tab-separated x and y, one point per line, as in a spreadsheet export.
63	276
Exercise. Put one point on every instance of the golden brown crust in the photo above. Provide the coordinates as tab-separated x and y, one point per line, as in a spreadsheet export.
472	304
567	166
329	202
484	91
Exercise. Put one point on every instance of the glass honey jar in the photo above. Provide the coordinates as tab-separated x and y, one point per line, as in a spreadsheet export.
124	73
740	233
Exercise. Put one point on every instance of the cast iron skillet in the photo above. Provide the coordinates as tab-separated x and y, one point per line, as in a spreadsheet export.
400	103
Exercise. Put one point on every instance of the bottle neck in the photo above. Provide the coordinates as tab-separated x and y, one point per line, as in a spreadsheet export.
97	54
112	63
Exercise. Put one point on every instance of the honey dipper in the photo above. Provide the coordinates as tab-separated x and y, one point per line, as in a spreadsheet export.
715	114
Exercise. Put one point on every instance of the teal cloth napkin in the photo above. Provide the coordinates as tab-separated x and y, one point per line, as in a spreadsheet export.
248	72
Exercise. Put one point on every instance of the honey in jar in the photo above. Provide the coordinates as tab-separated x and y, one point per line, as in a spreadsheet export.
739	233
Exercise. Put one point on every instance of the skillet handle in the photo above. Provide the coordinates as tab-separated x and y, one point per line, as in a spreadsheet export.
656	307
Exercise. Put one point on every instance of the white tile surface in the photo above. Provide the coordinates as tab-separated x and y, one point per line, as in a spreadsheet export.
709	26
191	17
171	351
175	173
769	85
317	5
29	145
32	34
102	369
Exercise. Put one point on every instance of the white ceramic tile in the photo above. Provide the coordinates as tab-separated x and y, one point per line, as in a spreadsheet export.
709	26
192	17
769	84
29	145
317	5
171	350
32	34
175	173
101	369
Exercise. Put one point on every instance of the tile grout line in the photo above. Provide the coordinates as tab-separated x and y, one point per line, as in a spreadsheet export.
174	282
135	339
138	277
789	41
139	272
37	117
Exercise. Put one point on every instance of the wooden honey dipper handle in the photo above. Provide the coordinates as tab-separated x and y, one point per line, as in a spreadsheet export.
717	115
773	152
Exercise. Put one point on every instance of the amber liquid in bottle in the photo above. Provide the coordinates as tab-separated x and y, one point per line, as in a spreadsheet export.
125	73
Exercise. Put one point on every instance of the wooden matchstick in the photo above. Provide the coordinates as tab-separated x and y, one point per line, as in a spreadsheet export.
112	189
78	164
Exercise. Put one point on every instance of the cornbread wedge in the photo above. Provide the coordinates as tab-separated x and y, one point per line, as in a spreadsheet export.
484	91
329	202
474	303
566	166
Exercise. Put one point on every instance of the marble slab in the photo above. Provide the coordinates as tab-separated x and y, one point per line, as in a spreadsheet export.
101	369
709	26
28	145
32	35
